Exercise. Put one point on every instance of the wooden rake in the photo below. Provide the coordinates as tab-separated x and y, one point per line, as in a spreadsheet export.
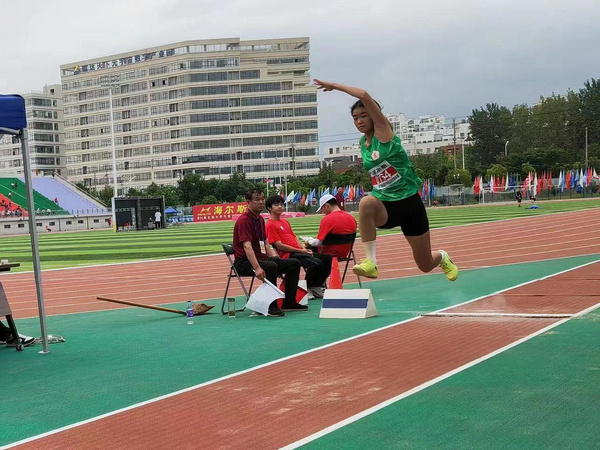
199	308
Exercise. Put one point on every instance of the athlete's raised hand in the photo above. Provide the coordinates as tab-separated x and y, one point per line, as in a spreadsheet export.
324	85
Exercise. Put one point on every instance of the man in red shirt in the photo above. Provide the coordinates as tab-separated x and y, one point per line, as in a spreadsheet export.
254	255
339	197
335	221
281	236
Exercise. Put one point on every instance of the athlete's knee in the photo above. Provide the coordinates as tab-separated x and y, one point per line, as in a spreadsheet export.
425	264
368	204
425	267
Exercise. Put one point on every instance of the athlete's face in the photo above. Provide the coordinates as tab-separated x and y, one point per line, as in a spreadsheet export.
362	120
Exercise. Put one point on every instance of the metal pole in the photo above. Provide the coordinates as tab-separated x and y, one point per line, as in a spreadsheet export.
114	158
463	153
34	241
586	147
454	147
286	191
506	148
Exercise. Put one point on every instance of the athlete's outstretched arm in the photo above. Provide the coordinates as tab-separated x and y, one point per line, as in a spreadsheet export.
383	131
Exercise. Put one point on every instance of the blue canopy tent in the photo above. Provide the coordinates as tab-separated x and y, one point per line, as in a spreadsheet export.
13	122
171	210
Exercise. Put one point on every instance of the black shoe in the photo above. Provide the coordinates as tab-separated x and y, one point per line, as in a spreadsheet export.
274	311
293	306
25	341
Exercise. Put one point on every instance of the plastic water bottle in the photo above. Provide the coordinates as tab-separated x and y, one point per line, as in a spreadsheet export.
189	313
231	307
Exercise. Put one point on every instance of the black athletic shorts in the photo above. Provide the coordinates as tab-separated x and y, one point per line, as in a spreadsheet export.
408	214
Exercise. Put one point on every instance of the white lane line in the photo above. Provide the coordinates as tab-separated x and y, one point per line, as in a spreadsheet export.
419	388
483	314
306	352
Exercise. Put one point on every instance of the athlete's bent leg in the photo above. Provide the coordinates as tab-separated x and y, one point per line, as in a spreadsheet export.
426	259
371	214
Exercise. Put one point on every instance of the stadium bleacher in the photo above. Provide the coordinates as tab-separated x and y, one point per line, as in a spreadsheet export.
14	190
69	197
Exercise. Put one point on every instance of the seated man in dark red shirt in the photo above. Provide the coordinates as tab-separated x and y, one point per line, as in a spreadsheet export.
254	255
283	239
335	221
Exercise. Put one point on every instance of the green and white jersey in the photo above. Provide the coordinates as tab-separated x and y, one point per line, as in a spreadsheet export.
391	171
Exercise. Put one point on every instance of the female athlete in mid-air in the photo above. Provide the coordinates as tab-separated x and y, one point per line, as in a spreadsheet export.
395	200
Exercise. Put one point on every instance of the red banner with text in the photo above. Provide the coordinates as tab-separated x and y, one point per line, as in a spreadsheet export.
224	211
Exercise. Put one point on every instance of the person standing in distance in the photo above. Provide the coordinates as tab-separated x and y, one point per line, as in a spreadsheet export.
157	221
394	200
339	197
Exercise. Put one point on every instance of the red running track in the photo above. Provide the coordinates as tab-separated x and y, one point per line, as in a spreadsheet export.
202	278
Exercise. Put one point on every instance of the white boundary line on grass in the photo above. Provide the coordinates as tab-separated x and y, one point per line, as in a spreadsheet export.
352	338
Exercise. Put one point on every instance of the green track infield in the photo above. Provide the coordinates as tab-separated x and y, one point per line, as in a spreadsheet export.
113	359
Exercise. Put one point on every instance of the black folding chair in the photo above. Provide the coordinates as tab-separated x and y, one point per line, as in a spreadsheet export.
228	250
339	239
6	312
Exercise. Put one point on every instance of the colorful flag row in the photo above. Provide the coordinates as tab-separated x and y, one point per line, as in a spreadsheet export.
351	193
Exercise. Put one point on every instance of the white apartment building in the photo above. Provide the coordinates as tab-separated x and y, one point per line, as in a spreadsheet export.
212	107
423	135
45	135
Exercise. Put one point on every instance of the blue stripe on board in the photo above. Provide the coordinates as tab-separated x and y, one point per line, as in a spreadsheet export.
345	303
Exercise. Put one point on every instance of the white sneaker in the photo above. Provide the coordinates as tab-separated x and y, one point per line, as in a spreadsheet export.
26	341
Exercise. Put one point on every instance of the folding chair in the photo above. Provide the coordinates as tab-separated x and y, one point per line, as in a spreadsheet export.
228	250
6	312
339	239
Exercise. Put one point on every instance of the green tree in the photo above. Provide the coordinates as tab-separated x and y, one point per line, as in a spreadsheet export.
496	170
105	195
209	200
191	189
589	97
458	176
490	129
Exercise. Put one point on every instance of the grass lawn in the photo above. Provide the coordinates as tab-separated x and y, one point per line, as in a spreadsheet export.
71	249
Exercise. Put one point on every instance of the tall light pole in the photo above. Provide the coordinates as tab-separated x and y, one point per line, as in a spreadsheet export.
506	148
586	147
281	176
111	81
462	143
454	145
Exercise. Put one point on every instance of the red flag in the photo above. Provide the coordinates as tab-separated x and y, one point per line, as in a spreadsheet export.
303	199
550	180
568	180
300	293
503	182
476	186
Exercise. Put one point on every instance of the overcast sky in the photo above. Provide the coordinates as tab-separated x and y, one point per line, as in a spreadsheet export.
420	57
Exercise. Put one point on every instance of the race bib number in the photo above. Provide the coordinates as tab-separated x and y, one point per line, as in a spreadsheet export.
263	250
384	175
